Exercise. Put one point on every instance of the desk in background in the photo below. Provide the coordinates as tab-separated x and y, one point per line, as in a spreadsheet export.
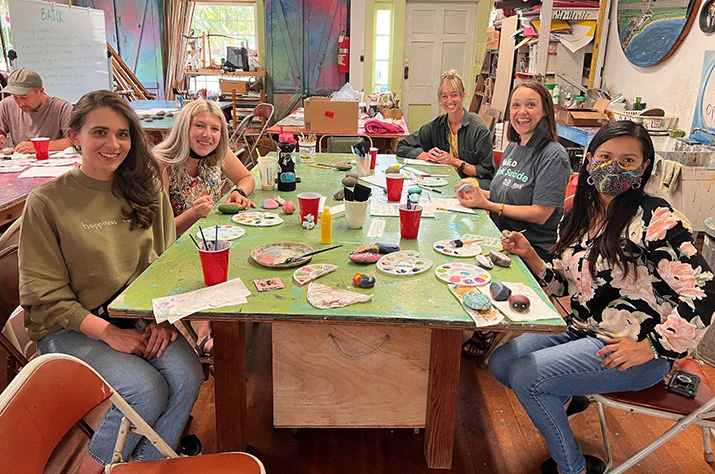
399	305
158	128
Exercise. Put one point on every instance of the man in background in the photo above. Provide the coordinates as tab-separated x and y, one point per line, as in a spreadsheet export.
31	113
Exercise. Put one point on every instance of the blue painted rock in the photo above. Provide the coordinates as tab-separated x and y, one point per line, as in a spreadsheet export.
477	301
414	198
270	204
519	303
288	207
363	280
415	190
499	291
366	248
484	262
365	257
387	248
499	258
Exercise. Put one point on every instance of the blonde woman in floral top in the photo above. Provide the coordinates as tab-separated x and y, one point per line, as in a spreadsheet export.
194	158
641	296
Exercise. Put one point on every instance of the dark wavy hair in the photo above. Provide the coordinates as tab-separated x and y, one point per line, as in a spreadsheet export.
136	177
612	245
547	103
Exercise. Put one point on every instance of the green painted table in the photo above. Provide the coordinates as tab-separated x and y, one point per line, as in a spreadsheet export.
415	301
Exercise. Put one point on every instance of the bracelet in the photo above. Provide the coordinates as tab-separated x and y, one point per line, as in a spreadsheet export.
462	166
240	191
652	347
501	209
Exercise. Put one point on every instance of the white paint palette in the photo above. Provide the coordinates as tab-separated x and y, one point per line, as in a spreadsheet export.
404	263
462	274
257	219
447	248
225	232
311	272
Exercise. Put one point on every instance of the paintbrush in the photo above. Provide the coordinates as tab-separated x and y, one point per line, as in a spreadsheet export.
457	211
502	249
460	243
324	167
305	255
429	189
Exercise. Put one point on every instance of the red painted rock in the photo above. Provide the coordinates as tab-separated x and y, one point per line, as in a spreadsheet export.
288	207
270	204
365	257
363	280
366	248
519	303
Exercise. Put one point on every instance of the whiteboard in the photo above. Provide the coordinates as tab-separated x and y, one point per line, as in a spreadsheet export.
66	45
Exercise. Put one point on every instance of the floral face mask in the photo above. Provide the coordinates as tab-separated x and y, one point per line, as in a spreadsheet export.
612	178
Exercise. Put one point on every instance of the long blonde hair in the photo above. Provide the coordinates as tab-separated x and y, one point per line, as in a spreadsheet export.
452	79
174	150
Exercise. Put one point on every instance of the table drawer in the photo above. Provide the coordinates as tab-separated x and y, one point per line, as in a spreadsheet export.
343	375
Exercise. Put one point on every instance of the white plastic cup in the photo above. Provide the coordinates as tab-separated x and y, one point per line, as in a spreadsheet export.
355	213
307	151
267	168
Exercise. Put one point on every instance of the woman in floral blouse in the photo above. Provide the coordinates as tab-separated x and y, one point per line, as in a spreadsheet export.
641	295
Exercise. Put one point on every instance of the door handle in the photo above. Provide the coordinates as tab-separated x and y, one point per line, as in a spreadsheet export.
407	72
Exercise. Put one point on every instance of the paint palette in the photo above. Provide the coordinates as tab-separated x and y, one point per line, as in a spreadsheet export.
403	263
312	272
480	318
433	182
257	219
469	250
462	274
225	232
274	254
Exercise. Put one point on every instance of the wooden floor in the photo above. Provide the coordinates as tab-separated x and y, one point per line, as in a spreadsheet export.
493	435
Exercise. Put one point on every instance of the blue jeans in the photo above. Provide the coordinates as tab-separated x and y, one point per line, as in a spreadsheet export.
162	390
545	370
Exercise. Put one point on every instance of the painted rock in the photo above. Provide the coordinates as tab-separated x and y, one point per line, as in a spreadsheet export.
484	262
349	181
342	166
414	198
161	112
499	258
351	175
366	248
363	280
477	301
519	303
270	204
170	114
365	257
234	208
148	119
288	207
387	248
159	117
414	190
391	170
499	291
339	196
279	200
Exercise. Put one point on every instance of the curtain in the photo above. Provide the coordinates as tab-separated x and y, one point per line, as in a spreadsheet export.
178	15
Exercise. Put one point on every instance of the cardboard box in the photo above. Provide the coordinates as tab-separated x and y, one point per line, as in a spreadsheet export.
583	117
241	87
395	114
492	41
325	115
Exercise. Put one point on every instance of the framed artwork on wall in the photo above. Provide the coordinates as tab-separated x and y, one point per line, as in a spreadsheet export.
707	17
650	31
703	128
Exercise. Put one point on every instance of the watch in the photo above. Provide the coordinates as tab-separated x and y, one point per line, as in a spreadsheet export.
462	166
240	191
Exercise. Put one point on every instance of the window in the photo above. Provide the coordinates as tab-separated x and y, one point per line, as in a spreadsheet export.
225	24
383	49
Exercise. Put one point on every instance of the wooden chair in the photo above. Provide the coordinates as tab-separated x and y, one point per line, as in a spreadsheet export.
9	300
658	402
32	422
245	139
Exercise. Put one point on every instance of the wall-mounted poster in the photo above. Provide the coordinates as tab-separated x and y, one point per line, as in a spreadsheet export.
704	117
707	17
650	31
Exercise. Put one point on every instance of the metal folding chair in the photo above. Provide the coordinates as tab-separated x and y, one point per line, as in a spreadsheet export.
341	143
244	139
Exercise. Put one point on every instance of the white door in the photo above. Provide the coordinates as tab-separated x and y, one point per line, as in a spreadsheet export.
438	37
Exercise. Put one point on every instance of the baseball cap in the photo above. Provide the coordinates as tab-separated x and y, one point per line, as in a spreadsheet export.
22	80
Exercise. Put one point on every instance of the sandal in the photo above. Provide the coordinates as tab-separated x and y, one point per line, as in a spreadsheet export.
479	344
201	345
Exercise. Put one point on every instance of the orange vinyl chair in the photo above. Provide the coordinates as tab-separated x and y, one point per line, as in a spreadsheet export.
244	139
32	422
497	158
658	402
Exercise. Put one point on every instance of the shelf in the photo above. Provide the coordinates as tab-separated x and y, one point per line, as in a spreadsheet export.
215	72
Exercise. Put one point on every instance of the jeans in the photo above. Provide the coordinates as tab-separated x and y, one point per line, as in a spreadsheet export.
162	390
545	370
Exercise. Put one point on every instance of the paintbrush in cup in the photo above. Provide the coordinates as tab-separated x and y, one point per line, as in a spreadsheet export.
461	243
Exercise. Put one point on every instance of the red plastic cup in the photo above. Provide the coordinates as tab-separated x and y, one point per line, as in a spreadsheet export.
214	261
373	157
394	186
410	221
42	147
309	205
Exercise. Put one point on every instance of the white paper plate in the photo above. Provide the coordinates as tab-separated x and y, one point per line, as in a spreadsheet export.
257	219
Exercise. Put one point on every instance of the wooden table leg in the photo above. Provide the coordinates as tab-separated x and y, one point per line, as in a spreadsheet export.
230	391
443	386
